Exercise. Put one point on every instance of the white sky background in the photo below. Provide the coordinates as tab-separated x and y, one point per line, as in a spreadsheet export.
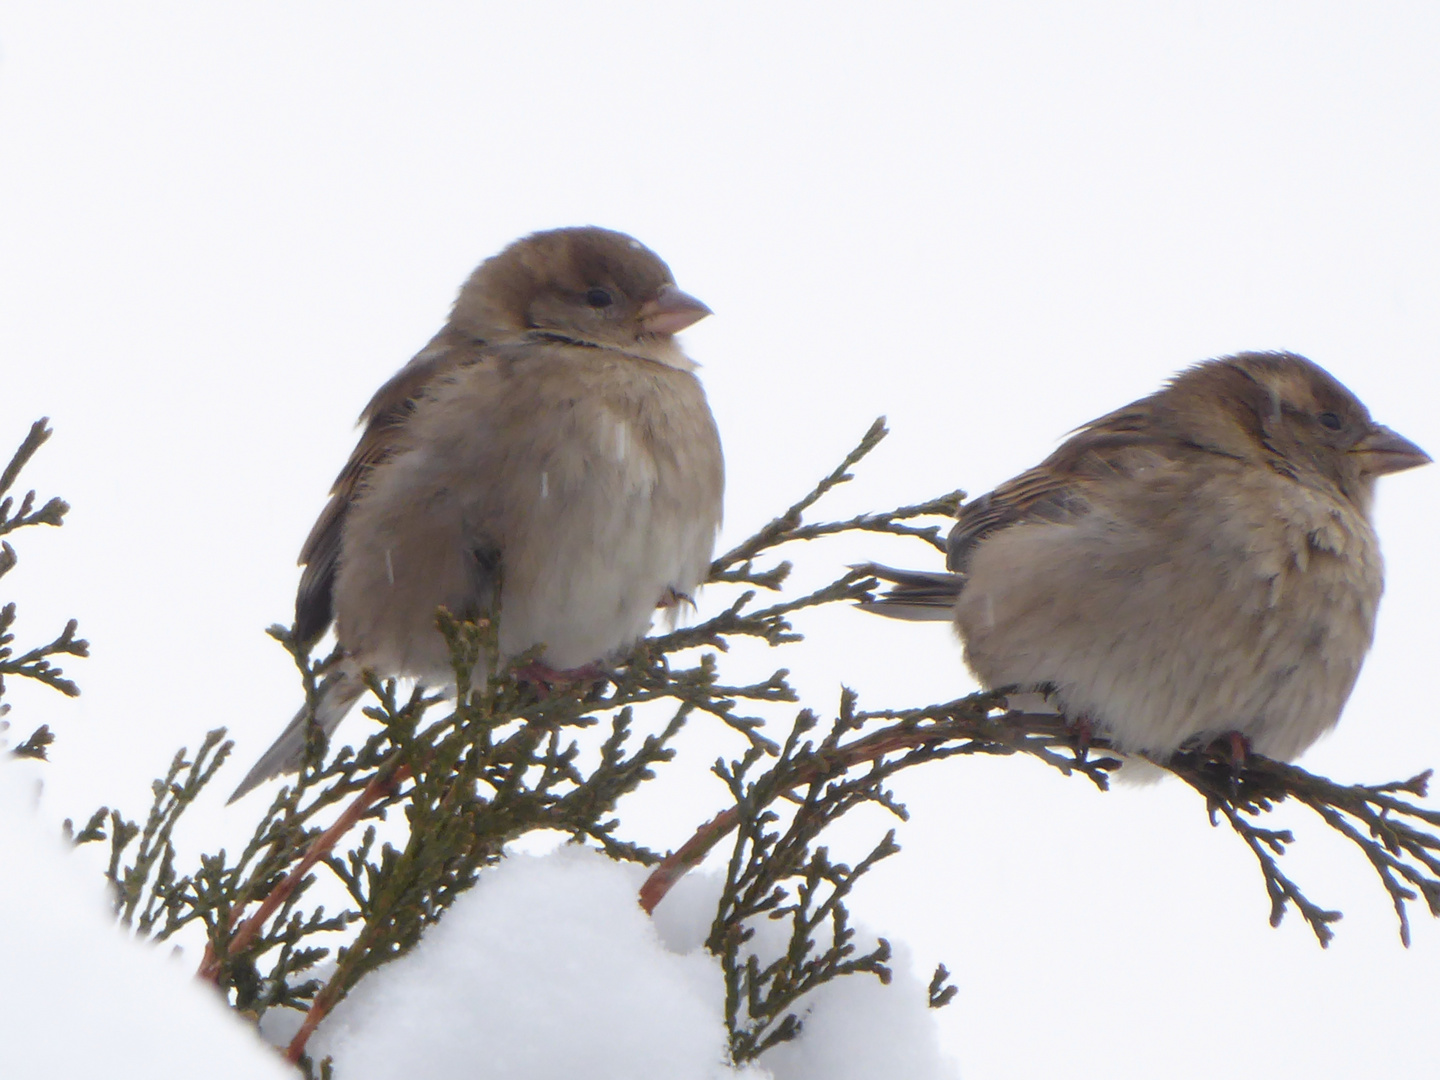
221	230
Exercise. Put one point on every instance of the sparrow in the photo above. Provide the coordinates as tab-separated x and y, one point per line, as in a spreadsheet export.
548	457
1199	564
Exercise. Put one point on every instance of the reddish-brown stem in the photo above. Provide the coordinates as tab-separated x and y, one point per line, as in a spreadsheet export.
691	853
380	786
326	998
685	858
296	1049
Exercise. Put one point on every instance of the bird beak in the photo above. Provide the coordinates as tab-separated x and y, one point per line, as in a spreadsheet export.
671	311
1386	452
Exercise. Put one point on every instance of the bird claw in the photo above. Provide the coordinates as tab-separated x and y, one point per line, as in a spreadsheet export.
673	599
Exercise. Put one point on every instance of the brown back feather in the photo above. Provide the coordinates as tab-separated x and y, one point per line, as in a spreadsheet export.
1216	407
384	419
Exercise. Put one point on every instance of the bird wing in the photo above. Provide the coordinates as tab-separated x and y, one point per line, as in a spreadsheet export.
1126	442
384	419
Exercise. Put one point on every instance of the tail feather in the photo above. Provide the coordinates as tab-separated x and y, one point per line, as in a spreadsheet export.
338	693
916	595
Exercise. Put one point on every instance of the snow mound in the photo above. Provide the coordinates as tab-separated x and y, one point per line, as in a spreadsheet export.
77	998
549	969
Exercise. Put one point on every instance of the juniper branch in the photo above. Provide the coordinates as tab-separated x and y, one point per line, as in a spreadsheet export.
1386	828
33	663
54	510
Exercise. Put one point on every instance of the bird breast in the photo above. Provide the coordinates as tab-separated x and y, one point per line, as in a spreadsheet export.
1181	609
585	484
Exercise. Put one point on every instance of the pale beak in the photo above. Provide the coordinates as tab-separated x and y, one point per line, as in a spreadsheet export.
671	311
1386	452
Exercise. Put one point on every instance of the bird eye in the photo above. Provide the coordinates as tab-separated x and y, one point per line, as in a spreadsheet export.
598	298
1331	420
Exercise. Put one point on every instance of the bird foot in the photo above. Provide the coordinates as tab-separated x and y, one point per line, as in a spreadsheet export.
672	600
1239	751
546	680
1235	747
1084	732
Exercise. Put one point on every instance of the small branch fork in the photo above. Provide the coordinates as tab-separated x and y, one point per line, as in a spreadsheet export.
54	510
1388	830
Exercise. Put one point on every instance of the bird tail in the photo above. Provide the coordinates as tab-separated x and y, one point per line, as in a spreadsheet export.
916	595
337	693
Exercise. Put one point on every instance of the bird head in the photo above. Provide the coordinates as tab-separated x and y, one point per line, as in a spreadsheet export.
588	285
1294	416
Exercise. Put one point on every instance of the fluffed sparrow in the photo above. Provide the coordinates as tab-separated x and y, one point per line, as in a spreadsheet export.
1199	563
549	456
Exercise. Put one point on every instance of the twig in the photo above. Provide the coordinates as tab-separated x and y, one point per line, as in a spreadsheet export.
54	509
965	721
381	786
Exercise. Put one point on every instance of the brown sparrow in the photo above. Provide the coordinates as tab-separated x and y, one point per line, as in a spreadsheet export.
1199	563
549	457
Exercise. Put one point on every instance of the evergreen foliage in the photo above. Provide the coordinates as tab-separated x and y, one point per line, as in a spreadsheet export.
34	663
